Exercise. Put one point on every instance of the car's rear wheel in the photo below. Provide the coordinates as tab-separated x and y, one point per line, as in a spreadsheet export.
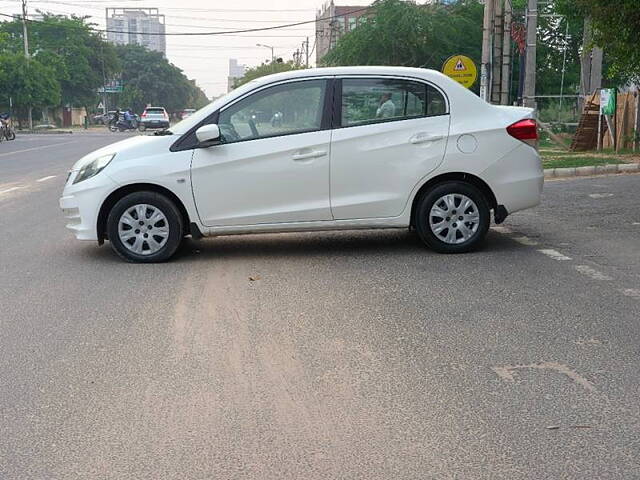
453	217
145	227
141	128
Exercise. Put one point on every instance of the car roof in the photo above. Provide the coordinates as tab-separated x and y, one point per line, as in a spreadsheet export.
459	97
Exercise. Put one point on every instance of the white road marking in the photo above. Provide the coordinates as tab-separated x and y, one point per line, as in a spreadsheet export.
44	179
35	148
507	372
12	189
524	240
635	223
631	292
592	273
600	195
556	255
501	229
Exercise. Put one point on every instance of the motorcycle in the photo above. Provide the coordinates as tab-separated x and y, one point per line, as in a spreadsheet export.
6	132
122	125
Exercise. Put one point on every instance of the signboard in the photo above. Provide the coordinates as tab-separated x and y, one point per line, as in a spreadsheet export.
608	101
113	86
461	69
110	89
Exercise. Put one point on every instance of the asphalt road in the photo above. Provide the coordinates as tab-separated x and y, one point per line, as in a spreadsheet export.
350	354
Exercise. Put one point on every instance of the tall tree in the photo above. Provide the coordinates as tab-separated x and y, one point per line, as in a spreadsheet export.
28	82
616	28
405	33
77	54
266	68
149	78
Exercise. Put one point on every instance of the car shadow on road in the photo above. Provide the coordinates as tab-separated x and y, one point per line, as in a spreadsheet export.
392	242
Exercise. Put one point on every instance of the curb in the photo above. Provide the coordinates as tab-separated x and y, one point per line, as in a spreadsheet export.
591	170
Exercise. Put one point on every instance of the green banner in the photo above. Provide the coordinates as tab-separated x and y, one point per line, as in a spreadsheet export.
608	101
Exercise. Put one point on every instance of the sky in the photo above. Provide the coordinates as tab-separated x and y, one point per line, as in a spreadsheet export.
206	58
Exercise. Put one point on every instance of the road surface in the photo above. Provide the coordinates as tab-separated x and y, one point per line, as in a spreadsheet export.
319	355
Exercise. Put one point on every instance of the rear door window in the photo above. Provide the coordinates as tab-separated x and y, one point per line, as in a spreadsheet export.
373	100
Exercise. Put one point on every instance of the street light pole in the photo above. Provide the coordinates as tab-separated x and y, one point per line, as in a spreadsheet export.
26	53
267	46
24	29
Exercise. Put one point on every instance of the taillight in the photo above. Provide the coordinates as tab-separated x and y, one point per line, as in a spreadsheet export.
525	130
144	114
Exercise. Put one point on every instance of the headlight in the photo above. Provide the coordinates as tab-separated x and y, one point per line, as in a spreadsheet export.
93	168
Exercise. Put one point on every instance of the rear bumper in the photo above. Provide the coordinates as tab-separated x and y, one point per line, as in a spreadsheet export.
517	179
155	123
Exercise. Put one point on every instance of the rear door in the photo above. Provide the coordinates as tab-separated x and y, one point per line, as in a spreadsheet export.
388	134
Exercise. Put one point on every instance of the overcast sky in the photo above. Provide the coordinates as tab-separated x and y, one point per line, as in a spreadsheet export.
206	58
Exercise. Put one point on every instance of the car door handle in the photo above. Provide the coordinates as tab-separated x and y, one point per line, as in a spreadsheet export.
309	155
424	137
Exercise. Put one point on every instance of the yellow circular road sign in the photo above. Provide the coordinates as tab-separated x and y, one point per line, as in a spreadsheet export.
461	69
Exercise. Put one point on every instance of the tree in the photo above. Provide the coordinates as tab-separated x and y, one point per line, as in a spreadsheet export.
616	29
266	68
149	78
404	33
28	82
77	54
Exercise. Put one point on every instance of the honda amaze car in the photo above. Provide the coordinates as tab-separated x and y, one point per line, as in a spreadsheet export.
353	148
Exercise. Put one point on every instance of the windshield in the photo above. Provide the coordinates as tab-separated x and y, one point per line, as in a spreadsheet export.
155	110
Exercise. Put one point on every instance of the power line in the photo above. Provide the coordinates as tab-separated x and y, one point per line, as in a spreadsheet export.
192	34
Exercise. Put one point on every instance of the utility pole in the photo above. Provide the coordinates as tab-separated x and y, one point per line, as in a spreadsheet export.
496	66
506	55
306	51
487	28
25	39
529	93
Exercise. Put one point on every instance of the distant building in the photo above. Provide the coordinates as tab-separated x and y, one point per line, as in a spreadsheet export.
332	22
236	70
128	25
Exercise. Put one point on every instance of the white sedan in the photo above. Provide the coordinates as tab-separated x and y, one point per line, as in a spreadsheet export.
318	149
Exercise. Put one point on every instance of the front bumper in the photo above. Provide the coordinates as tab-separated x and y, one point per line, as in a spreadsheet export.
81	204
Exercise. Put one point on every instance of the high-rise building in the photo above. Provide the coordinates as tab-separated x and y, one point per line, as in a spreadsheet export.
129	25
332	22
236	70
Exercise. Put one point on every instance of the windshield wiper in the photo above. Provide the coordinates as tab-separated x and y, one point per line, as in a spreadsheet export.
163	132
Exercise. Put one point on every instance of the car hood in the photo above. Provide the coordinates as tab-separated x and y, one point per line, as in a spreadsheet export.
124	149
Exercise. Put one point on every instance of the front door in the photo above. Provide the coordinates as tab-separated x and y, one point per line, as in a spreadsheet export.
391	133
273	163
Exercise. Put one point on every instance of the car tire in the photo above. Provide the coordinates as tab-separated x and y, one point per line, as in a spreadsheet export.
443	227
141	128
151	239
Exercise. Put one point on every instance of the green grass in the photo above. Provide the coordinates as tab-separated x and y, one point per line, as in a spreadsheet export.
577	161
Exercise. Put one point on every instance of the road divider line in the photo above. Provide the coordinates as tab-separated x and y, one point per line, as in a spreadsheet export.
36	148
592	273
501	229
524	240
631	292
601	195
44	179
556	255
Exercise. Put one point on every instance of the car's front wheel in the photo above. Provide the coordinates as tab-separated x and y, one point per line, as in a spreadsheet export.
453	217
145	227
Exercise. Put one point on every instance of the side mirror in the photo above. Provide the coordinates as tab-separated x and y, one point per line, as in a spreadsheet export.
208	135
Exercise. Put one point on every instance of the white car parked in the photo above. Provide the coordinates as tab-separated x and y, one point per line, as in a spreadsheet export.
353	148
